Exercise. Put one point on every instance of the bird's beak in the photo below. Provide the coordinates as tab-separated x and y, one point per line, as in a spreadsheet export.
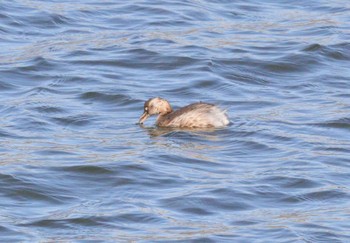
144	117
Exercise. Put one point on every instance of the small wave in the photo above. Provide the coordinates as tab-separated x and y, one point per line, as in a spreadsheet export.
343	123
74	120
87	169
336	52
106	98
334	195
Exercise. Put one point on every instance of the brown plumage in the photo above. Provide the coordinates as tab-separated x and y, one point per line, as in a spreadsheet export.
197	115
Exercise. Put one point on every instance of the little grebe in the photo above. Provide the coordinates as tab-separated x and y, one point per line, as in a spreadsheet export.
197	115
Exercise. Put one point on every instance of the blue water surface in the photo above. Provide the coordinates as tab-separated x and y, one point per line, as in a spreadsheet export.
75	166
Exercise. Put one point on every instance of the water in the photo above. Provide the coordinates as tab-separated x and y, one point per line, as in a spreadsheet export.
76	167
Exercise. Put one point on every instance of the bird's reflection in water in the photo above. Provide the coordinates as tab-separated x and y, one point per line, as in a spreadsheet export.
190	143
205	133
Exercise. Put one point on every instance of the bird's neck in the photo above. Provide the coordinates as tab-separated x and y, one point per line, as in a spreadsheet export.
163	117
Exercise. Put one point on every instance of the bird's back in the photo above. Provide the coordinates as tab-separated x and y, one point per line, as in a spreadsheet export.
197	115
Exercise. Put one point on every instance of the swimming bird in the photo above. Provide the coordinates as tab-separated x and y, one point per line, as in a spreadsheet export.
197	115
